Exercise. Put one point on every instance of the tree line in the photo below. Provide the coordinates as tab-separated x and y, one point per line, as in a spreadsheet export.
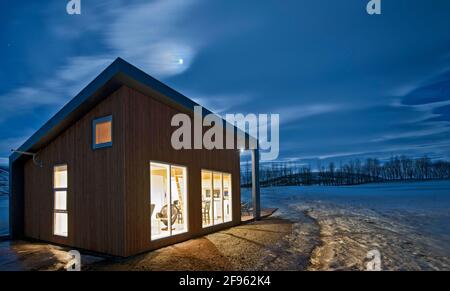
353	172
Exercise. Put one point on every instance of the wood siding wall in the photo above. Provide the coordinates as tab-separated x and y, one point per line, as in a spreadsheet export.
95	185
148	138
109	189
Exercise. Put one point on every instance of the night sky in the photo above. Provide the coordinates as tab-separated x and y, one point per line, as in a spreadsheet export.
346	84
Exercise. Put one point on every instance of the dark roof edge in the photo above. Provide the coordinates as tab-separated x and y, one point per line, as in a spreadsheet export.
84	94
106	78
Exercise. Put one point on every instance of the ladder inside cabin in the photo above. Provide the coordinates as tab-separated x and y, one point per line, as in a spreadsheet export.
180	194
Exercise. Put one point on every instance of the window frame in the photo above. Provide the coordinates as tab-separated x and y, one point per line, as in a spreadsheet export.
60	211
170	197
94	124
230	196
212	197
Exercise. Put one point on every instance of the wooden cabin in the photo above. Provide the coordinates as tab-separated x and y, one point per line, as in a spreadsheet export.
101	175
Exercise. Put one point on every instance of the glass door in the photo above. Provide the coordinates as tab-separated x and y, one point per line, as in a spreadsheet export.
216	198
160	201
178	195
168	200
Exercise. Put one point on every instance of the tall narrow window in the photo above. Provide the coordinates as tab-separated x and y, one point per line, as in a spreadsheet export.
207	205
60	215
227	215
178	197
102	132
168	200
216	198
218	207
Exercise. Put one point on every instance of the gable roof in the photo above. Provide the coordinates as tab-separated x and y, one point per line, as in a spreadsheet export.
117	74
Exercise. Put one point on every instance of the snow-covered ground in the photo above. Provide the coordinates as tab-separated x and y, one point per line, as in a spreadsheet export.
4	176
4	219
408	222
425	205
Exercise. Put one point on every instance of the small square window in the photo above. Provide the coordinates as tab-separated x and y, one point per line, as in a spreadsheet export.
102	132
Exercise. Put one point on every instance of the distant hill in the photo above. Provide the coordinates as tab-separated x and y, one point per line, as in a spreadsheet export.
4	178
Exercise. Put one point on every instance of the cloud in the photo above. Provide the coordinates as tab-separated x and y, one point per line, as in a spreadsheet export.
442	113
163	50
433	151
333	94
7	144
54	91
363	131
412	134
221	104
434	90
25	98
4	161
294	113
166	47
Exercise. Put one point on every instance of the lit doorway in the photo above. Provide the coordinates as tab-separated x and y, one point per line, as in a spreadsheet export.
168	200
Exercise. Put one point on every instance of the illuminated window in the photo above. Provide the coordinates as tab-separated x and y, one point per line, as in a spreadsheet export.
216	198
207	218
227	215
60	215
102	132
168	187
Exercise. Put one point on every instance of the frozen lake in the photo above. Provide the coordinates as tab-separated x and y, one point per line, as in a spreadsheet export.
423	206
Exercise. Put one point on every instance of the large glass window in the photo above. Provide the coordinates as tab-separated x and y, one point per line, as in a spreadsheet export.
60	215
216	198
168	200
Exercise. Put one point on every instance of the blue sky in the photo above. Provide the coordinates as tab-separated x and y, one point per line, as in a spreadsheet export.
345	84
